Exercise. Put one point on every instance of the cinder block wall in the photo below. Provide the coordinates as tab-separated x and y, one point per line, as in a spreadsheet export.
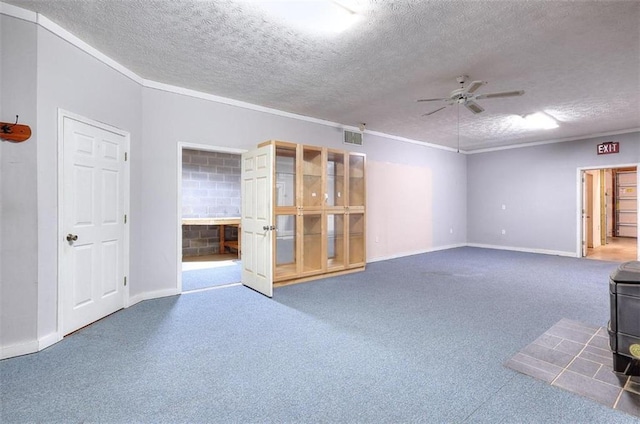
210	189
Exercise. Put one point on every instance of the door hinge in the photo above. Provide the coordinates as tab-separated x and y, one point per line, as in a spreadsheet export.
125	218
125	280
125	156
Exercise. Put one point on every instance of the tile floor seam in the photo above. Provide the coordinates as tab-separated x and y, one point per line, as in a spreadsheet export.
615	403
537	359
574	358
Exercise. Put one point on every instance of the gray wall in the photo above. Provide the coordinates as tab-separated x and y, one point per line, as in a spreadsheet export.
538	186
215	124
53	74
70	79
18	204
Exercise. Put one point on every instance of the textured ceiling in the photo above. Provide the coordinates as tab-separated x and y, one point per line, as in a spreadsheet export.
577	60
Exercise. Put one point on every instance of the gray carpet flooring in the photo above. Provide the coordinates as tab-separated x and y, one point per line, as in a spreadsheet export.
415	339
211	277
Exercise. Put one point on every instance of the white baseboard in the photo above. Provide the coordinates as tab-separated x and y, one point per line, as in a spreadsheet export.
523	249
32	346
151	295
415	252
18	349
482	246
48	340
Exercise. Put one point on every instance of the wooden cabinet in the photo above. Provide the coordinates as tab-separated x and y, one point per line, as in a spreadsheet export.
319	212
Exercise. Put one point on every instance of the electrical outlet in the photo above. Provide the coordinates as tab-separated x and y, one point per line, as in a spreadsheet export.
504	232
504	207
450	230
377	239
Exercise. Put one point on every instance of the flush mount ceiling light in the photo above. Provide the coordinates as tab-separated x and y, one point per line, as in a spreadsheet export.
539	120
323	16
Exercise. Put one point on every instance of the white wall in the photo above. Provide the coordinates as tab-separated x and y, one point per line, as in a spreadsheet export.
55	74
169	118
538	186
70	79
18	204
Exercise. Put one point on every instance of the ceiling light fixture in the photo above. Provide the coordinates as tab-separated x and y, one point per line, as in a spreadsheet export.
539	120
325	16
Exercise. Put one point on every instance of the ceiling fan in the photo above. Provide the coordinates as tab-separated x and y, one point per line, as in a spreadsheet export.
466	96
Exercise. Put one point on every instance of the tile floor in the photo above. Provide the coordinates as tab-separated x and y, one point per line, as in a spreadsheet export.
620	249
577	358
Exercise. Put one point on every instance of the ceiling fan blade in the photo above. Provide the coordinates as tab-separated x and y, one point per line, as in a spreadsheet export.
432	112
473	106
502	94
474	86
433	100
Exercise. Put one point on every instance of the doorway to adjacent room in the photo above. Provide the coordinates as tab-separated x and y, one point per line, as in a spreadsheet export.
609	215
209	202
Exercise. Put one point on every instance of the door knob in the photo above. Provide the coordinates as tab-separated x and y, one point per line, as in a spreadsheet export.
72	237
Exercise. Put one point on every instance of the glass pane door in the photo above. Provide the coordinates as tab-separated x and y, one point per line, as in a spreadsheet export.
335	179
312	196
356	180
285	177
285	253
312	243
335	240
356	239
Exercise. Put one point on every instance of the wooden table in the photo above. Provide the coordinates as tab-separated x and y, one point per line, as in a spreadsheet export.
222	222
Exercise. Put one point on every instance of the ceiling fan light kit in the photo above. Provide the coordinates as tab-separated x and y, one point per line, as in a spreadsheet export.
466	96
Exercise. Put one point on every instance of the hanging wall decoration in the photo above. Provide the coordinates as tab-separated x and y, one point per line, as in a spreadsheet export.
15	132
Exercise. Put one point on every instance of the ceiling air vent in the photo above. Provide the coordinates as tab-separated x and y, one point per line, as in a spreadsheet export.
352	137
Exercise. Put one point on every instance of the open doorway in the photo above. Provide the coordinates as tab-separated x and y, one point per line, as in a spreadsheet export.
610	214
209	213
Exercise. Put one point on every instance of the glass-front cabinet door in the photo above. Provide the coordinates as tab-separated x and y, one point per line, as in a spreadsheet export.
356	181
312	193
286	247
286	212
285	173
335	243
312	242
356	239
335	190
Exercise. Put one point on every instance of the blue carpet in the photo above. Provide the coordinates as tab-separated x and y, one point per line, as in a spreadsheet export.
210	277
415	339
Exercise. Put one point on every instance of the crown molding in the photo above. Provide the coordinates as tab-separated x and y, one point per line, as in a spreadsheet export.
554	141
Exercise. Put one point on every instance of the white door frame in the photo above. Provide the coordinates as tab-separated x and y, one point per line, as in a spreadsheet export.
580	200
62	114
192	146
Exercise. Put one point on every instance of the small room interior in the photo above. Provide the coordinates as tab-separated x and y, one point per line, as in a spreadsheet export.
210	187
471	274
611	210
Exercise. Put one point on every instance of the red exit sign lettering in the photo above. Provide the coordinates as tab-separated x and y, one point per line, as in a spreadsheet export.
608	148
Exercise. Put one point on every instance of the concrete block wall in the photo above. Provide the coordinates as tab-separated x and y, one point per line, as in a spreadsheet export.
210	189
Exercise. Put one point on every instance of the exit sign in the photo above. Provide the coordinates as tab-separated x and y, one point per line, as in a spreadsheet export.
608	148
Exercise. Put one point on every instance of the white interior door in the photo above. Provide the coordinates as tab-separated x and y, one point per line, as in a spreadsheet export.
92	259
589	210
257	216
584	214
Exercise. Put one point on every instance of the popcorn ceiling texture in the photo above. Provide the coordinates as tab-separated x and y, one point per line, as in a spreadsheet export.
579	62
